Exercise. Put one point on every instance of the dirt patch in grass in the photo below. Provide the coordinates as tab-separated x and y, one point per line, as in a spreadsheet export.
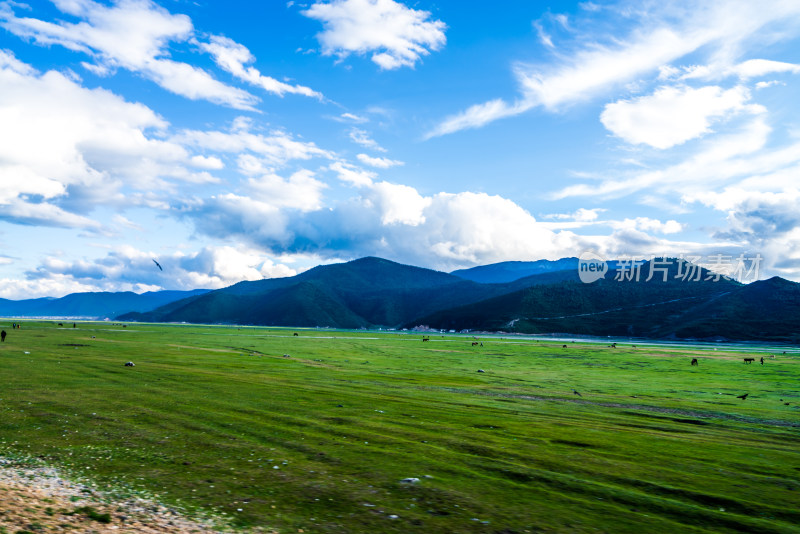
38	499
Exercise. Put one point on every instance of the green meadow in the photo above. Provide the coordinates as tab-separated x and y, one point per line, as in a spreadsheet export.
317	431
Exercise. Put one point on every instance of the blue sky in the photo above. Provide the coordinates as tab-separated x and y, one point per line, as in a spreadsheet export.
240	140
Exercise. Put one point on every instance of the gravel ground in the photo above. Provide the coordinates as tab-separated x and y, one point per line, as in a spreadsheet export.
38	499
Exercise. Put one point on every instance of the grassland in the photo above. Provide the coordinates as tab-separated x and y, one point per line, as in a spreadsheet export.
317	431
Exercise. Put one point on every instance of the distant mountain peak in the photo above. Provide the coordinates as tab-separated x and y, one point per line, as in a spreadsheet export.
509	271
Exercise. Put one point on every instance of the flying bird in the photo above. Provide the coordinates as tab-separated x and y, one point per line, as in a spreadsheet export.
158	265
743	397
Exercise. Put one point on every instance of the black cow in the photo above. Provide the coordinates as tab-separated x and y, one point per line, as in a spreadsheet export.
3	335
694	361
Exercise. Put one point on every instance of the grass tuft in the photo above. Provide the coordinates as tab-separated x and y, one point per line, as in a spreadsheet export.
91	513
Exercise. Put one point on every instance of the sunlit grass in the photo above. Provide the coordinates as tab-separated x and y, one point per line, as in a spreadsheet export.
316	431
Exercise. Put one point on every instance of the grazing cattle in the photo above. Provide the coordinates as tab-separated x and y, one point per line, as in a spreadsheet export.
743	397
295	333
564	347
130	364
749	360
474	343
481	371
425	339
60	324
694	361
3	335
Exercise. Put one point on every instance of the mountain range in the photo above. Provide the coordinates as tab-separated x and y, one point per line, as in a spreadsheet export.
516	297
92	305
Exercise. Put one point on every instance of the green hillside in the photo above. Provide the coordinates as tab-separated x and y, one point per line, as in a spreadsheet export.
374	292
702	309
364	292
763	310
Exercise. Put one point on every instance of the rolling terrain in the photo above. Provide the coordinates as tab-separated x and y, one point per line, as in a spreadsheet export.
362	293
97	305
767	310
378	293
342	432
372	293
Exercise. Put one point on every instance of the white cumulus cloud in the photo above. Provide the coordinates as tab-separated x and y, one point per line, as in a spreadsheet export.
399	203
300	191
353	175
380	163
397	36
126	268
65	149
134	35
660	34
673	115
